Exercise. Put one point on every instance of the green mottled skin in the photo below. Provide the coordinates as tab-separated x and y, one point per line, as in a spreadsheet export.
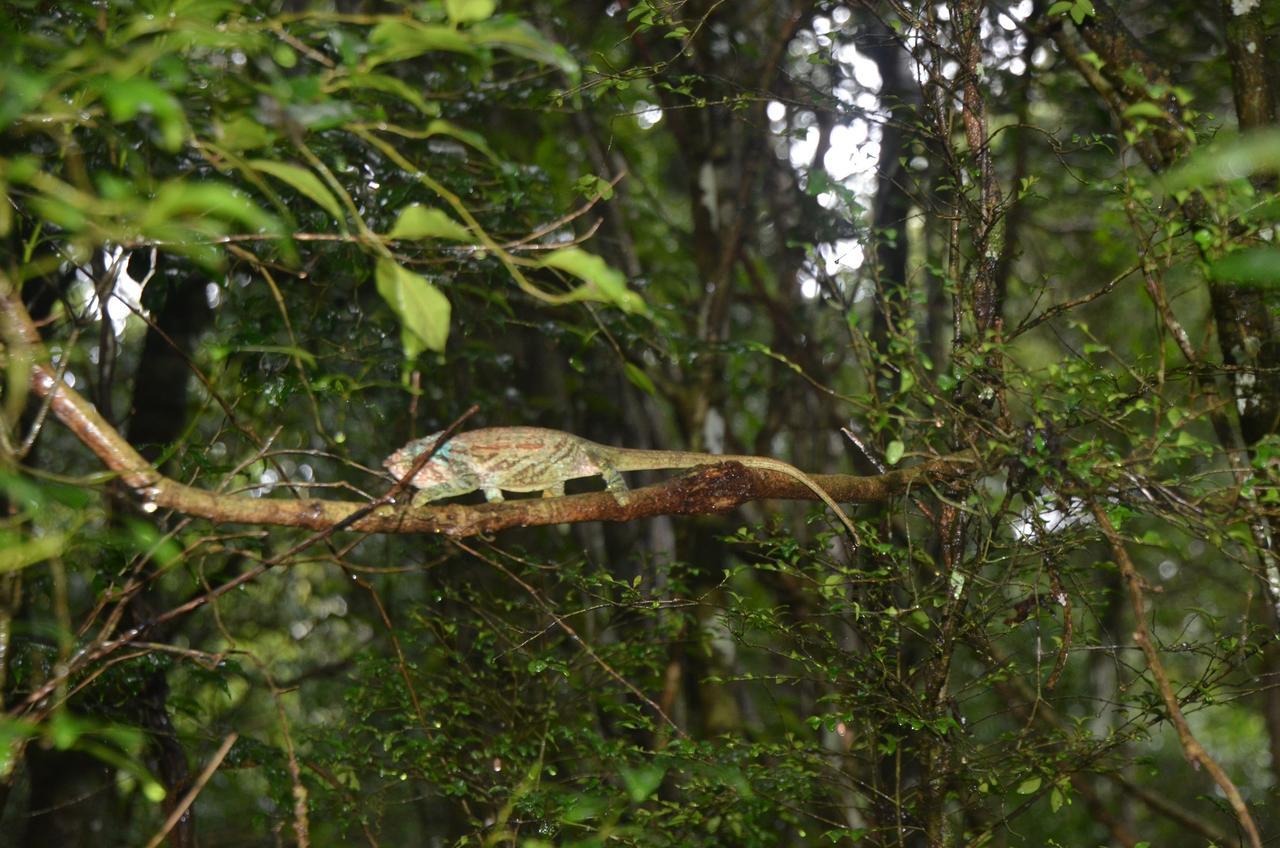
533	459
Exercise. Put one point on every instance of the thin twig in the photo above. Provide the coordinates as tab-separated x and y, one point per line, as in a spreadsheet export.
1191	747
573	634
185	804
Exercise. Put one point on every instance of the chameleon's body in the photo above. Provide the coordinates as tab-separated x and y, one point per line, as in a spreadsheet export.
532	459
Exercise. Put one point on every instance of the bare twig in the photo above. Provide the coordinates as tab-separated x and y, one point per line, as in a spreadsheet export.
573	634
187	800
1191	747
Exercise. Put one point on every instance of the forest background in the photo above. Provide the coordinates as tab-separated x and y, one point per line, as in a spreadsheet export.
1001	275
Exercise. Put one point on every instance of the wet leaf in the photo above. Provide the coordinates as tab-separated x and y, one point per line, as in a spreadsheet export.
404	38
523	39
304	182
423	222
602	282
469	11
422	309
128	98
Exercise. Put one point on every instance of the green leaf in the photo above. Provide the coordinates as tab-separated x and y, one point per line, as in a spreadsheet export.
590	186
422	309
422	222
640	380
16	555
523	39
127	98
1249	154
1060	8
19	91
242	133
64	730
643	781
202	201
397	39
1029	786
893	453
602	282
1082	9
284	56
13	733
388	85
304	182
1253	266
1145	109
469	137
469	11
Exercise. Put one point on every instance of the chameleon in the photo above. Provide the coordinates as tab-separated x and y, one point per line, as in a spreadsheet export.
531	459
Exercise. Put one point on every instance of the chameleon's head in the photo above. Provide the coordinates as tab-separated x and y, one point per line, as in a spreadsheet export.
434	472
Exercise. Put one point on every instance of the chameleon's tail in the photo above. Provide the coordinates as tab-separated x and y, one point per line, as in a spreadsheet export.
659	460
794	473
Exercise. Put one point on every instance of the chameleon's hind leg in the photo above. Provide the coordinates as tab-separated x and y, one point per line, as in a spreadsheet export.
493	494
555	490
615	485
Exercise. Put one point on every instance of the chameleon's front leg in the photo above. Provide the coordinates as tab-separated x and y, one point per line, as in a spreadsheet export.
439	491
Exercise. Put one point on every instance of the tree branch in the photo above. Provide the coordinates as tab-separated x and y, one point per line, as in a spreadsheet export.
718	488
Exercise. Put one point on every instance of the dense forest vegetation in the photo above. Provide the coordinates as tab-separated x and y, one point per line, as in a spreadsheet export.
999	277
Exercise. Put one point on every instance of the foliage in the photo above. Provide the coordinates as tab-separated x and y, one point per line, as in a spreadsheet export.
272	242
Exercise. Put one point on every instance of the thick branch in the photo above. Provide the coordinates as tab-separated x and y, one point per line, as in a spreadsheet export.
714	489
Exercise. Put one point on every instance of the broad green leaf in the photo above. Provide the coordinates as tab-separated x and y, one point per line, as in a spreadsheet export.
182	199
1254	266
388	85
1145	109
1029	786
469	137
422	309
320	115
1249	154
523	39
602	282
643	781
58	211
19	91
242	133
422	222
893	453
469	11
404	38
127	98
304	182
